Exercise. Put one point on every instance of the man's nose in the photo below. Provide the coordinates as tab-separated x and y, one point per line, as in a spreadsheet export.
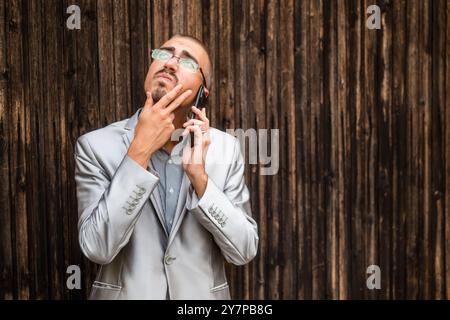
172	64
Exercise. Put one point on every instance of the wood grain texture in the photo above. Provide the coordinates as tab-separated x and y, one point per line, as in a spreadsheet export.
364	135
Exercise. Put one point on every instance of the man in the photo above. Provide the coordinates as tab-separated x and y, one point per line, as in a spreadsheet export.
158	215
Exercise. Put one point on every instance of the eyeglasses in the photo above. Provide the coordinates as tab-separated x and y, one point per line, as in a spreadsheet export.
187	63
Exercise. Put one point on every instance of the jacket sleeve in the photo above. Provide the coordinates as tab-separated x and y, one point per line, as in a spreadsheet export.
227	214
108	208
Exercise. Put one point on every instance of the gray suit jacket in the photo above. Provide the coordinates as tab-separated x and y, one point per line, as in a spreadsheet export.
121	224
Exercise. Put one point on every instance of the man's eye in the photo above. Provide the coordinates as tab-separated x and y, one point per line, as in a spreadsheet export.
164	54
189	64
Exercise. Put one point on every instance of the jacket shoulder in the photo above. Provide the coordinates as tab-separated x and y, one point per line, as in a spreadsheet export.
98	144
219	137
105	134
224	146
223	135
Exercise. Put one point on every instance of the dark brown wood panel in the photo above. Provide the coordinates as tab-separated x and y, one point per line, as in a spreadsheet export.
364	135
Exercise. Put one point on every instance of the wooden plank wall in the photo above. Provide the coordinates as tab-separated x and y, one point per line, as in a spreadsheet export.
364	135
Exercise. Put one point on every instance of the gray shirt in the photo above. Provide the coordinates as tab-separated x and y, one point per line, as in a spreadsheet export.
170	172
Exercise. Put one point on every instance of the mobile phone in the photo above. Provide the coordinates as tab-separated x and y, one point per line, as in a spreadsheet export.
200	101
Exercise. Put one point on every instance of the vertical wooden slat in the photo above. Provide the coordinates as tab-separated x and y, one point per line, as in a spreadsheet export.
262	115
332	222
298	65
386	148
304	228
194	19
161	21
149	34
399	154
263	205
210	37
178	17
35	94
370	135
53	146
139	48
343	149
271	224
413	123
17	153
359	261
226	105
316	187
6	213
105	31
69	95
446	122
427	218
65	158
324	123
122	65
437	145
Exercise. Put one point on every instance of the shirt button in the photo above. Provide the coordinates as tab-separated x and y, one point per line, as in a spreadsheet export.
168	260
170	161
171	190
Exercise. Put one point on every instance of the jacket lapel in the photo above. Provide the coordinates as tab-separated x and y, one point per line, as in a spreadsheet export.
155	198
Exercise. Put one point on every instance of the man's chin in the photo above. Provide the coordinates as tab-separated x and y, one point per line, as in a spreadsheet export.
158	93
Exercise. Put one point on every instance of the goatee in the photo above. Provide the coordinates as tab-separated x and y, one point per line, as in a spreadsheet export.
158	93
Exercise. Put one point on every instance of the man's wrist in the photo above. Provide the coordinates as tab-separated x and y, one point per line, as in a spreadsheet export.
139	153
199	182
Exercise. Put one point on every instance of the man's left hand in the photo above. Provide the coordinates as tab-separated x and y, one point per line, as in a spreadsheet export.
194	158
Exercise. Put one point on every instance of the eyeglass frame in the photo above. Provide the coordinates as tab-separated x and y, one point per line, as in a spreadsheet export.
178	62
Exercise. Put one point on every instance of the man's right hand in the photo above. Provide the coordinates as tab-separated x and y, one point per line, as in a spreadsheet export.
155	125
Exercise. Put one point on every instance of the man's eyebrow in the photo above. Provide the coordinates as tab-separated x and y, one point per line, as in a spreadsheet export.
183	53
187	54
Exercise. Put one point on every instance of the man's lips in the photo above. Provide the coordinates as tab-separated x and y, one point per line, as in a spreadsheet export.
164	76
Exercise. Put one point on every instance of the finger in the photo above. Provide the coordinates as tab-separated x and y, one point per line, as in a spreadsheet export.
188	130
185	132
149	101
168	97
194	122
201	115
149	96
197	132
197	154
178	101
194	128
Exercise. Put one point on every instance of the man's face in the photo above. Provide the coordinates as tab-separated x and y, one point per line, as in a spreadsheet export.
162	76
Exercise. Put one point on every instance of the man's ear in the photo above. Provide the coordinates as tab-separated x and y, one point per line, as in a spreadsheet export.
206	92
